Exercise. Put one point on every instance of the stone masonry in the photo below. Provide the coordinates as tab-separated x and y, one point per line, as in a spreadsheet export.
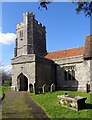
36	70
29	68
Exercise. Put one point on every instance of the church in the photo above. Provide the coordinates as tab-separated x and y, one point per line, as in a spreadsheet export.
33	68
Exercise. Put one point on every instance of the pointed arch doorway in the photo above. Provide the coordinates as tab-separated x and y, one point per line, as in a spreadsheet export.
22	82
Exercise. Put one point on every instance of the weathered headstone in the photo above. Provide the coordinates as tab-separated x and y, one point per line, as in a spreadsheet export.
43	88
52	87
88	87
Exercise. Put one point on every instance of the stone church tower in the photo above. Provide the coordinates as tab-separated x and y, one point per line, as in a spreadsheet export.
30	36
29	68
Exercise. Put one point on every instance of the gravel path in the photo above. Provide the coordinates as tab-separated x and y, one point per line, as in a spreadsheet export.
19	106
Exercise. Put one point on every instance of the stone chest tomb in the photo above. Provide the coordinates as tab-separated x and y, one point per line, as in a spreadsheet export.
73	102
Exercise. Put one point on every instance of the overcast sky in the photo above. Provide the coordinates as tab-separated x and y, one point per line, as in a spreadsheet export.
65	29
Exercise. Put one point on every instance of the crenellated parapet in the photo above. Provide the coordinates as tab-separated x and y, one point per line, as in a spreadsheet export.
39	25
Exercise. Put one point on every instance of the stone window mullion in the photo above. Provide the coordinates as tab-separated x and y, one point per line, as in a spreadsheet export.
73	74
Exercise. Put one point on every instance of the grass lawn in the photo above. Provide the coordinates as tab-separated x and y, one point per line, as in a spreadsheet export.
49	102
6	88
3	89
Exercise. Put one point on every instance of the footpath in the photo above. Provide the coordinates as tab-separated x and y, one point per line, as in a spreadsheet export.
19	106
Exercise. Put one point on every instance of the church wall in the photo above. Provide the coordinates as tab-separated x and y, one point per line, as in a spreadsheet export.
82	73
39	34
91	76
28	69
45	73
21	38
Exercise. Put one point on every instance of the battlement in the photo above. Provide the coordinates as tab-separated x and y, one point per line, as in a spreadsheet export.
40	24
19	25
28	15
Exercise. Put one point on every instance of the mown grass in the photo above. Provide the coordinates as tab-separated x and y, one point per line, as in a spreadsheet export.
50	103
3	89
6	88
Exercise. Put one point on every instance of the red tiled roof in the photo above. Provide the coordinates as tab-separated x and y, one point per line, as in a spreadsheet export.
65	53
88	47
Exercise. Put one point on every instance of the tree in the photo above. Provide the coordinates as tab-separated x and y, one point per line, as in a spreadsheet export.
44	3
5	76
86	7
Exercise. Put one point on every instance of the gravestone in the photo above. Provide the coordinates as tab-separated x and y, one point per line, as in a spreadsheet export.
43	88
52	87
88	87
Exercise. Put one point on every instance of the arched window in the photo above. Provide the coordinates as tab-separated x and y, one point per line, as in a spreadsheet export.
69	73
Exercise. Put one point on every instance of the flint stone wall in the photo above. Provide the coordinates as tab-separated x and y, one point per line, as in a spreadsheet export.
45	73
91	77
38	70
82	73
